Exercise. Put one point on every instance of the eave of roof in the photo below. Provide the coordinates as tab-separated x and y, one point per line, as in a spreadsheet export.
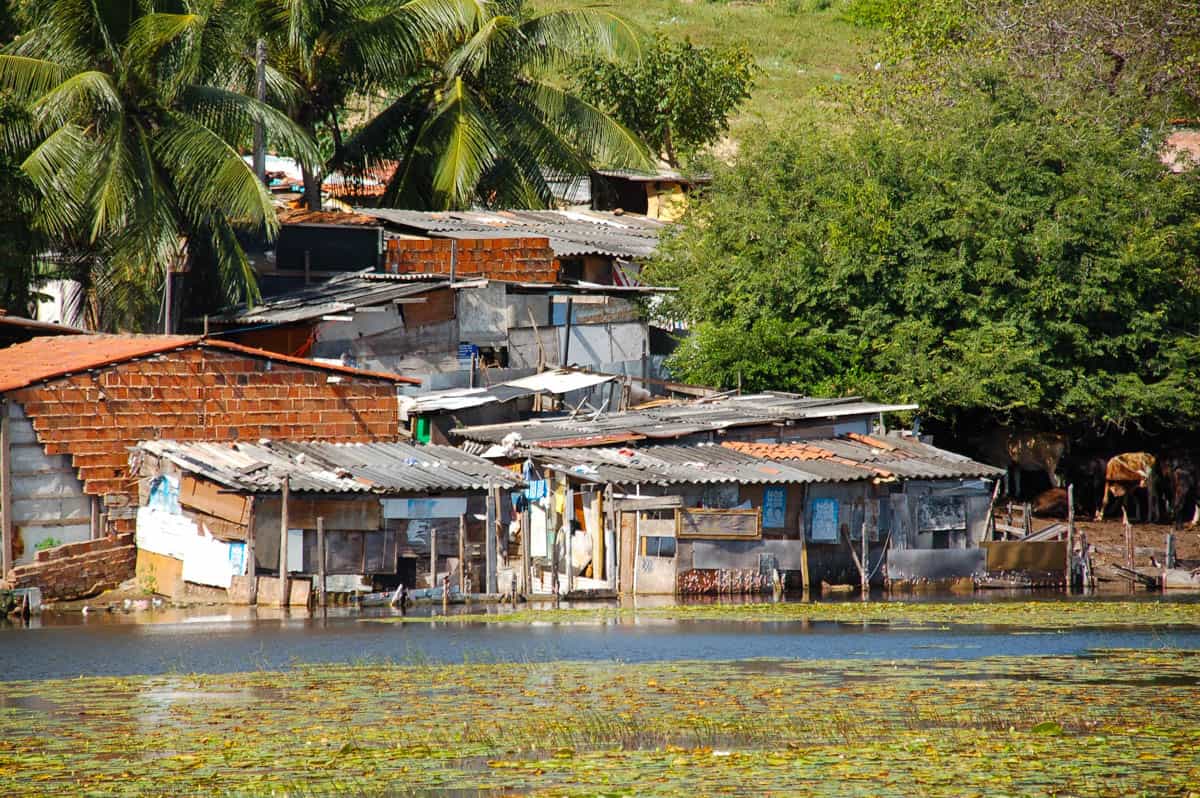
45	358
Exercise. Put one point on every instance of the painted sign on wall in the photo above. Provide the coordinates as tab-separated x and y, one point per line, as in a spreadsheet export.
824	520
774	508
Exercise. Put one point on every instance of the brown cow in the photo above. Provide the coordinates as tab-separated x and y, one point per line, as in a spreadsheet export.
1125	474
1028	451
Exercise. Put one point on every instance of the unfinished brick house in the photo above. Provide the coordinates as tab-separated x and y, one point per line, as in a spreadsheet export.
72	407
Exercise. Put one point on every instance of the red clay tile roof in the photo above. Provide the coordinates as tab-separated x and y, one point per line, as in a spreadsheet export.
807	451
305	216
56	356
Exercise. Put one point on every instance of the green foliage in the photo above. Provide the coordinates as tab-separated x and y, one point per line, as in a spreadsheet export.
133	145
994	258
484	118
871	13
1138	60
679	97
19	243
48	543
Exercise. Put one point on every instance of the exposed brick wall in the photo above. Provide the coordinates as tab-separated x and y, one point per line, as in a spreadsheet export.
196	394
516	259
78	570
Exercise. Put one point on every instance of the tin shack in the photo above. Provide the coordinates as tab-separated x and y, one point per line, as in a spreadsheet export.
727	518
217	514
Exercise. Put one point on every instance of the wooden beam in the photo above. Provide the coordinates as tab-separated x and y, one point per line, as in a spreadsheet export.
462	555
489	537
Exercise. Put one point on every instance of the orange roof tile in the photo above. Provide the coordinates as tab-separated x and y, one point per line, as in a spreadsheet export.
806	451
57	356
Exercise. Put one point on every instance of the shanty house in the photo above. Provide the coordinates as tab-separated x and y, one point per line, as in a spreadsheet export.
389	513
73	406
713	518
455	331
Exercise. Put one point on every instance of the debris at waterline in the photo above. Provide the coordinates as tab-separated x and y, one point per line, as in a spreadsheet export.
1012	725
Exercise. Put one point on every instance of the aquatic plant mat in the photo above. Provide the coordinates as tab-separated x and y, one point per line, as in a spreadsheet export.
1115	722
1058	614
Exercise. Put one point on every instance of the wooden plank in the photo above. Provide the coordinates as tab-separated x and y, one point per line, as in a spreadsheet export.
362	514
628	546
632	503
735	524
212	500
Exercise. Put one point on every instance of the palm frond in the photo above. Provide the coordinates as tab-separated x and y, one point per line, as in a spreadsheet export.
233	116
496	38
558	38
29	78
467	147
79	96
211	177
53	168
593	132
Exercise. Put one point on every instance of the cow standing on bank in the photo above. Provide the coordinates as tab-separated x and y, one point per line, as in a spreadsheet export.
1127	473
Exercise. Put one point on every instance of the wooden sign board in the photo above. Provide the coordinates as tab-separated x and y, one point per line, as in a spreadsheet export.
691	522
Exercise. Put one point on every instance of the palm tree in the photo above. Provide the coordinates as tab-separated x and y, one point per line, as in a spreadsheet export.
484	119
330	50
133	146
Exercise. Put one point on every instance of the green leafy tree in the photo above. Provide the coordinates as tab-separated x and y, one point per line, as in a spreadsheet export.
484	118
995	260
133	145
678	97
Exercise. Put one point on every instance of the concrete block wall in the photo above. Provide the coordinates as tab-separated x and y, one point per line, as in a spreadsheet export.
513	259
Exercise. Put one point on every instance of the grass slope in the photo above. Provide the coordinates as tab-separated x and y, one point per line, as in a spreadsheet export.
801	48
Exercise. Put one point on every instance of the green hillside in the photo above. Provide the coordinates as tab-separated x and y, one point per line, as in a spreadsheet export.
801	48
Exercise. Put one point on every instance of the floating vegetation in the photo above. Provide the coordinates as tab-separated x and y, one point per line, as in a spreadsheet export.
1060	614
1112	723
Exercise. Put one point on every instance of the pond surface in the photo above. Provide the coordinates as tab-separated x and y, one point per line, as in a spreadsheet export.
234	640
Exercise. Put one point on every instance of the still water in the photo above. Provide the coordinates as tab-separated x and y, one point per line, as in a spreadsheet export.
222	641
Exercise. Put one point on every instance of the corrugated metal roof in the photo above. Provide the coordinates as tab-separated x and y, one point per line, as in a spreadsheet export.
676	420
319	467
339	294
841	459
571	233
557	381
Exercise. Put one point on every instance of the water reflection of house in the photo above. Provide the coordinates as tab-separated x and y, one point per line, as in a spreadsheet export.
390	513
749	485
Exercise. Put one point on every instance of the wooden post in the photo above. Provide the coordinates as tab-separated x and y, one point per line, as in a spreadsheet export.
462	555
526	565
1027	522
569	527
321	560
285	591
1129	559
610	538
6	514
251	557
489	541
804	582
432	558
866	563
554	566
1070	535
95	532
1169	559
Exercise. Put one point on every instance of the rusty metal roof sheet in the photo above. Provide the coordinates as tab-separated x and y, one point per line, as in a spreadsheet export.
321	467
888	457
